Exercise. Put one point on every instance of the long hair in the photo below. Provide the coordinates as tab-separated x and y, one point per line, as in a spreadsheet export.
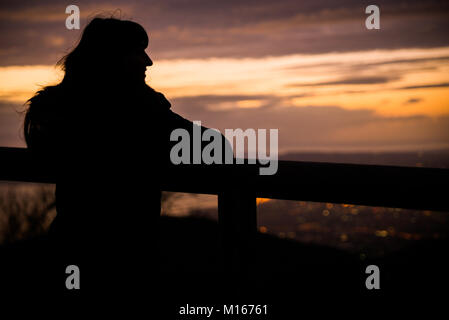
93	64
102	45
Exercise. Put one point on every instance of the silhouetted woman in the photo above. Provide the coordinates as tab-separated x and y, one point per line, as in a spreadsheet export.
105	132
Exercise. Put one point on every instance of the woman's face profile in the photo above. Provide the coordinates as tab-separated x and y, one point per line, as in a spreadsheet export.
135	62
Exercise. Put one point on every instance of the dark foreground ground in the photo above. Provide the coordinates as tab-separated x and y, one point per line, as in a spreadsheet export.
285	275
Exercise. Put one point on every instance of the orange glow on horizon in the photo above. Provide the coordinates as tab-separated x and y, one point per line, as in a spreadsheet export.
300	80
262	200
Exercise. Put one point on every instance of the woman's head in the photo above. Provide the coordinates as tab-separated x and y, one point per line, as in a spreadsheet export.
110	50
108	62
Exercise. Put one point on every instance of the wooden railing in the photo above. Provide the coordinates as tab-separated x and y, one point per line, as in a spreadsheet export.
238	186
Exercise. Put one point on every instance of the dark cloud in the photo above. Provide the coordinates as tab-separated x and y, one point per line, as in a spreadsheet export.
350	80
322	127
413	100
426	86
406	61
11	119
235	28
206	99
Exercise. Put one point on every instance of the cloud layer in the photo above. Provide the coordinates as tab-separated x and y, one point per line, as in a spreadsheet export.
320	127
308	68
35	33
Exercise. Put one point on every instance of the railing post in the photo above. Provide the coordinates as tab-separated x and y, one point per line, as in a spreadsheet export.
237	216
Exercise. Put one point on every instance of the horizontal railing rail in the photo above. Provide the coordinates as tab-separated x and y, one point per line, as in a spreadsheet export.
371	185
238	186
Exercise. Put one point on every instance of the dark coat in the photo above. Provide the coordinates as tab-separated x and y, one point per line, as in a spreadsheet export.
110	151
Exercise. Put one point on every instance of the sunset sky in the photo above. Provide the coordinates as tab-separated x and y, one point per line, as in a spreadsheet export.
308	68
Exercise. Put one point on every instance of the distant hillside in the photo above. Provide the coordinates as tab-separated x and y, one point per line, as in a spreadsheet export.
434	159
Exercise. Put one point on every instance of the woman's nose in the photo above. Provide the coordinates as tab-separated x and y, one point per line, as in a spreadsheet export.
148	61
